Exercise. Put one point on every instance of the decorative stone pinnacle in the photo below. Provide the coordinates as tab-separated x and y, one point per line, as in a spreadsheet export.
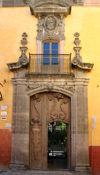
77	58
76	34
23	57
24	39
77	41
24	34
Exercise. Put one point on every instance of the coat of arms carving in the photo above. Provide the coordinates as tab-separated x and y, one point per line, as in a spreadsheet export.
50	22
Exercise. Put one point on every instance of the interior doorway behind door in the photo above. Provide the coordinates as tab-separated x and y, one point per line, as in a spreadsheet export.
57	145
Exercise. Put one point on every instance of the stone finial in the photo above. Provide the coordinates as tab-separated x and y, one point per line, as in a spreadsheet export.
23	57
77	48
24	39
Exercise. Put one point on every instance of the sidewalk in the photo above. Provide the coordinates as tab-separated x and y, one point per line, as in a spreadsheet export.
38	172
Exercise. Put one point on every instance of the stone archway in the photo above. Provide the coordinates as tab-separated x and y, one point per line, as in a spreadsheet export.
46	108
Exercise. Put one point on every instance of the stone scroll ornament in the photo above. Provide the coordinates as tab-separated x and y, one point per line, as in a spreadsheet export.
22	61
77	60
57	112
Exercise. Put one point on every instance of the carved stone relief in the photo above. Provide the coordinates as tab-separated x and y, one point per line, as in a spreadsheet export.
50	23
51	27
49	86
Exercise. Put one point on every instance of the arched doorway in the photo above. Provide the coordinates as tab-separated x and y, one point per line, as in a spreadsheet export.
58	149
47	108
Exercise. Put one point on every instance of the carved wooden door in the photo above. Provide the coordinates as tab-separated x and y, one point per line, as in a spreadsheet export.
46	108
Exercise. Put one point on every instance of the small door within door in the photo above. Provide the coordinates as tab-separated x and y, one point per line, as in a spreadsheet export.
57	145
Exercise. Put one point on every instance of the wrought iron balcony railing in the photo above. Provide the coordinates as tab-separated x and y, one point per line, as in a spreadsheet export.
49	63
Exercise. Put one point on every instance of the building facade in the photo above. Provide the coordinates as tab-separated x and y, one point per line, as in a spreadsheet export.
49	55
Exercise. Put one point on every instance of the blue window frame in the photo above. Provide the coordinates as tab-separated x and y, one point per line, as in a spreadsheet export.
50	53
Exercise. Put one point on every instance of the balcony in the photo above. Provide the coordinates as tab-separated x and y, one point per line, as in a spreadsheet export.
49	63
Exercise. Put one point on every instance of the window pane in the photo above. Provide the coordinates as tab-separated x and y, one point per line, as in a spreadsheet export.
55	46
54	61
46	52
46	46
46	61
55	52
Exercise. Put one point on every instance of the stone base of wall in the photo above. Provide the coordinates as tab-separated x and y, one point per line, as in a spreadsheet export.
16	167
5	147
94	159
85	169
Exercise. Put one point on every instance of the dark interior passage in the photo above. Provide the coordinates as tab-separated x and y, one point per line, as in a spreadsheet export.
57	145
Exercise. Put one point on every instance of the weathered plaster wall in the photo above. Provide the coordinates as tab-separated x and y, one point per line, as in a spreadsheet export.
86	21
13	22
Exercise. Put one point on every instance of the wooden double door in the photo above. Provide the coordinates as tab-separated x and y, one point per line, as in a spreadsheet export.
46	108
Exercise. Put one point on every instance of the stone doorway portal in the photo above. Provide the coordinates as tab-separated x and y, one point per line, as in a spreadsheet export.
47	108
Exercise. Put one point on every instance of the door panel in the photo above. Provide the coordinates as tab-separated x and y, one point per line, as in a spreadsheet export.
45	108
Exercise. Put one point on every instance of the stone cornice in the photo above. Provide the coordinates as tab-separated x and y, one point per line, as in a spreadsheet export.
50	7
49	10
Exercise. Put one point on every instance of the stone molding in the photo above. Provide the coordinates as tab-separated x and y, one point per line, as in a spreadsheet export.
50	7
35	85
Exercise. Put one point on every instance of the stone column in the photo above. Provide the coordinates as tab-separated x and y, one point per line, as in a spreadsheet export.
20	124
82	155
73	130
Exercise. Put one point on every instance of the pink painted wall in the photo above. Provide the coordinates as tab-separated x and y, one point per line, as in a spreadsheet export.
92	2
